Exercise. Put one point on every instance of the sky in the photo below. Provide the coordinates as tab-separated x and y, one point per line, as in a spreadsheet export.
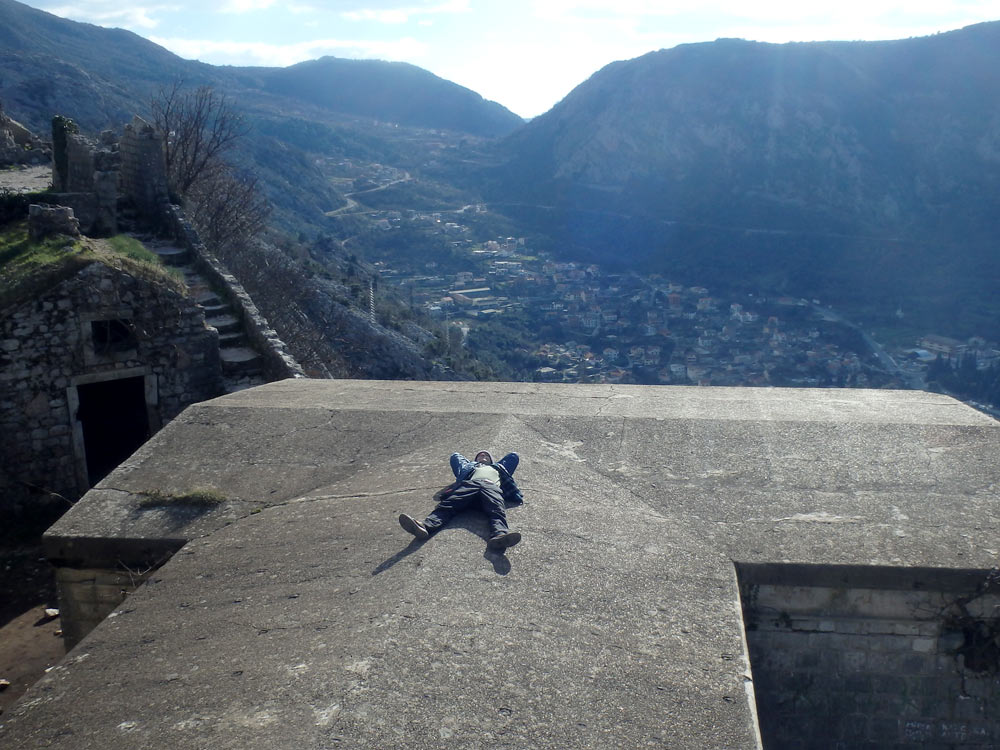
524	54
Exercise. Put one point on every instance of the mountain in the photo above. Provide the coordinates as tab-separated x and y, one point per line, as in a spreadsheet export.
865	173
329	108
99	76
392	91
847	167
103	76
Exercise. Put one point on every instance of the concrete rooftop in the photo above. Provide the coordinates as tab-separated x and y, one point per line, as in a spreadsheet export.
299	614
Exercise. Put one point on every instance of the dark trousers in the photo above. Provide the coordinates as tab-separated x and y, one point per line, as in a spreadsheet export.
471	494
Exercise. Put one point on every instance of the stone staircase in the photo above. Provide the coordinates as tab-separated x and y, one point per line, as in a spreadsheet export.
242	365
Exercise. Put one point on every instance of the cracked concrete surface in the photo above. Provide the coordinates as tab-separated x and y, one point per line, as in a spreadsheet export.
298	613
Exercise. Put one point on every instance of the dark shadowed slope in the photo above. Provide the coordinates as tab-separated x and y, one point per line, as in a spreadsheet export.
869	133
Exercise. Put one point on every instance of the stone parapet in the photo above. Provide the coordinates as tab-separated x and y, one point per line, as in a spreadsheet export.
279	363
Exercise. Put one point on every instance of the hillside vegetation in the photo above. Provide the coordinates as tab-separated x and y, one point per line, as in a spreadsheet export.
863	174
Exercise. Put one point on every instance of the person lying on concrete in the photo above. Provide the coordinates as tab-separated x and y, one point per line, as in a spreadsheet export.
480	483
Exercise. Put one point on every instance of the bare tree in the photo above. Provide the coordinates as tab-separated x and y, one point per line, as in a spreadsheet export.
227	206
200	125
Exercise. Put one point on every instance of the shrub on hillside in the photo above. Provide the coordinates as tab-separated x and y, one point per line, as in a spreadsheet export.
13	206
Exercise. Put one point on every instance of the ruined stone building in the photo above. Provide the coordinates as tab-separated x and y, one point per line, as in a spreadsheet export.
90	366
97	352
85	176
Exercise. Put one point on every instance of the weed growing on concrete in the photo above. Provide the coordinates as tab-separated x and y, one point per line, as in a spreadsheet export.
197	497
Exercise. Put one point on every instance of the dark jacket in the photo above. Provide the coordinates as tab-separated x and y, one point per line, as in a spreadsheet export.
463	468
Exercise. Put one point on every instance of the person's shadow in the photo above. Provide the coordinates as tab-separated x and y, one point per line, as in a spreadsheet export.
471	520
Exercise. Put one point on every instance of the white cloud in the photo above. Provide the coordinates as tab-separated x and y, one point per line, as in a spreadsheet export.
881	18
104	13
283	55
245	6
398	15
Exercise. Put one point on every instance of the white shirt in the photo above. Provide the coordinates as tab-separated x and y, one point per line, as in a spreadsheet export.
487	473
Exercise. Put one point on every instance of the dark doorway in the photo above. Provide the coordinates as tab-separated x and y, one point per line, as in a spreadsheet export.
113	416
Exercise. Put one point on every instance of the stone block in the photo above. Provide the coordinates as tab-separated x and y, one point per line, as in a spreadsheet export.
888	683
857	685
807	660
895	643
923	645
849	626
853	661
915	664
45	220
852	727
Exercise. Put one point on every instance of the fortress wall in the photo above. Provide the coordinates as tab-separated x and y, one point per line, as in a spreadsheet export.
857	666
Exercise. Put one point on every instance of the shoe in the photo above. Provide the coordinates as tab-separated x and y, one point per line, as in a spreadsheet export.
502	541
413	526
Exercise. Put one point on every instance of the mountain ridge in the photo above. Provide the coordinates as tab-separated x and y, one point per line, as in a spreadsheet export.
102	89
803	165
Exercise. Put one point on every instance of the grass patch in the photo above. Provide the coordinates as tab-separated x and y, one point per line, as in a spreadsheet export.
195	498
130	247
29	268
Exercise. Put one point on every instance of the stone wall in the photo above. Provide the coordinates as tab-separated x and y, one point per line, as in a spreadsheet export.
279	363
143	168
47	350
90	184
866	666
79	164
